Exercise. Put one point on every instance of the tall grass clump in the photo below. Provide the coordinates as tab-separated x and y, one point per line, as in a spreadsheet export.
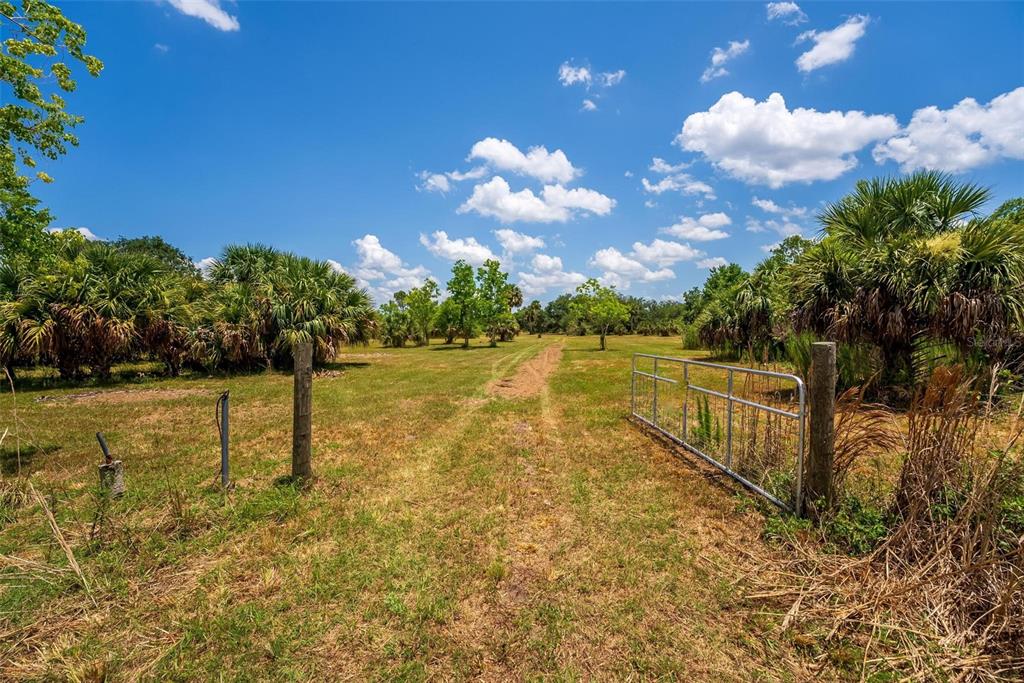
939	587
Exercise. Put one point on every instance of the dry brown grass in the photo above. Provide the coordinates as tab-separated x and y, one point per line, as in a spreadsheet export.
864	431
451	534
942	594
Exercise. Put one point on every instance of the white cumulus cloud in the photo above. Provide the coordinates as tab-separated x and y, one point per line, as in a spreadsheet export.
664	253
832	47
209	11
374	257
571	75
555	203
766	143
769	206
516	242
706	228
958	139
442	182
434	182
720	57
787	12
674	180
468	249
589	105
537	162
621	270
380	270
659	165
548	273
543	263
534	284
785	227
680	182
714	262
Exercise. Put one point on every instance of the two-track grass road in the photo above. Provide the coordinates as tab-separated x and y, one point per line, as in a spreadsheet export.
456	530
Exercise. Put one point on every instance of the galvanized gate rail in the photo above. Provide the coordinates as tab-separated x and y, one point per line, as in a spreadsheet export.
668	426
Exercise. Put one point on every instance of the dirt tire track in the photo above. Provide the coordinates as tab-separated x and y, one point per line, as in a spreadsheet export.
531	377
535	523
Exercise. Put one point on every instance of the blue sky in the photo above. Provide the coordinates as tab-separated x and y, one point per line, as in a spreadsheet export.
392	138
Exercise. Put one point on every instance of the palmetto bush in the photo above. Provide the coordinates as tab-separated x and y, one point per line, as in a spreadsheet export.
89	305
907	259
265	301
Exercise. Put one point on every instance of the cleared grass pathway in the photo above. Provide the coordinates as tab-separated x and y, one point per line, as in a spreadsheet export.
454	533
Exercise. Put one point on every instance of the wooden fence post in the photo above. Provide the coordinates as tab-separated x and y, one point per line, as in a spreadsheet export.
822	388
302	423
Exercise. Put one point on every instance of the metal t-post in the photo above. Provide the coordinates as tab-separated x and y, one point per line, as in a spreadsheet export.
225	478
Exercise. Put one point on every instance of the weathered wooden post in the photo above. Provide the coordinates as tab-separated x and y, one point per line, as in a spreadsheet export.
822	388
302	423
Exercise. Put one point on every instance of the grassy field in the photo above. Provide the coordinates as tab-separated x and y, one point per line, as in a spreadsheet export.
451	533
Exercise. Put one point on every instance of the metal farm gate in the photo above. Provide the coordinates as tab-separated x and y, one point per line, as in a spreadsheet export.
748	423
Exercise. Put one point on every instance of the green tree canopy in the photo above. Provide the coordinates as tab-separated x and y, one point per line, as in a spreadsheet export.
422	303
600	307
35	68
161	250
533	318
463	295
908	259
493	296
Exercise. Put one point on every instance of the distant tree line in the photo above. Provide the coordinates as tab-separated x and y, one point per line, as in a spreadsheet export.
477	302
484	302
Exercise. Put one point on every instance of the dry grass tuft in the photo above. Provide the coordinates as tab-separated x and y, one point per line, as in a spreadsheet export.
863	430
944	590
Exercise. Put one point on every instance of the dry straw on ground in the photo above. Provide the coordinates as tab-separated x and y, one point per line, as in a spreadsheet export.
943	592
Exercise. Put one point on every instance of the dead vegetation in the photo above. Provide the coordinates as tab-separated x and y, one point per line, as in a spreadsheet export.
942	593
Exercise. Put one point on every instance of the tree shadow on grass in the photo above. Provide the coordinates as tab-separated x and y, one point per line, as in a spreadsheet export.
9	457
460	347
343	365
125	378
36	379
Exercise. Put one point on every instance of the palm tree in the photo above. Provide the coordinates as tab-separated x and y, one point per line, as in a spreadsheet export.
907	259
84	306
265	301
